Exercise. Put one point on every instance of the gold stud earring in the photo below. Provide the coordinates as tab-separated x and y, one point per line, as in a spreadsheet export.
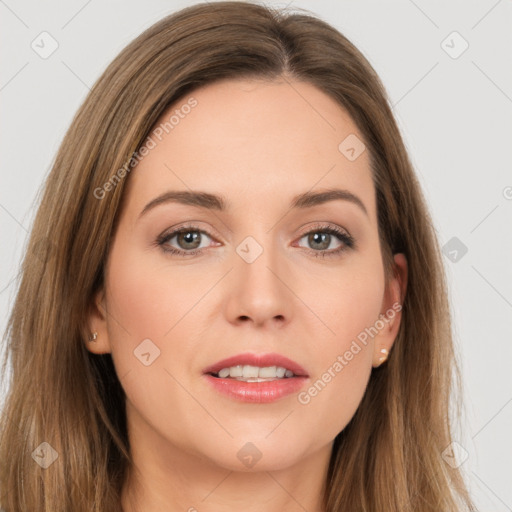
384	355
93	336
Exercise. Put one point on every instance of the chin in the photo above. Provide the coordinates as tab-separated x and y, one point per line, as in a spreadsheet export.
255	453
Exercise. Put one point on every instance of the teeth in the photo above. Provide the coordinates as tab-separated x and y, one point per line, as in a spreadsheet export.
249	372
224	373
269	371
255	373
235	371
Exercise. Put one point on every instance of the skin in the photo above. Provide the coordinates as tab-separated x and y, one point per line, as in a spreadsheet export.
258	144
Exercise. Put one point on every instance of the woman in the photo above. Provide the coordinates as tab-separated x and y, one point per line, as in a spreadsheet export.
180	341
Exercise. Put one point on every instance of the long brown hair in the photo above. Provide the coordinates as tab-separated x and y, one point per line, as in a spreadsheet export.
389	457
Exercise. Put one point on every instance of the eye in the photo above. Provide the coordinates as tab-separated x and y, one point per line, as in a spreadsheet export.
321	237
188	239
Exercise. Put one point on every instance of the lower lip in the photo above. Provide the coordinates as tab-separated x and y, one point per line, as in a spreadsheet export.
257	392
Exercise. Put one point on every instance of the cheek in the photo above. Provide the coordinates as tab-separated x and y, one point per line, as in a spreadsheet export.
347	300
147	298
350	307
148	304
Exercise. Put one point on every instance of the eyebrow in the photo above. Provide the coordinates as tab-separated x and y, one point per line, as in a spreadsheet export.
219	203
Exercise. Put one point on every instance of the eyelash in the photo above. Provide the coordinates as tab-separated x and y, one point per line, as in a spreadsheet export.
348	241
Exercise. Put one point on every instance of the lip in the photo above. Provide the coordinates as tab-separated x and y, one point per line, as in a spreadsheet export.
257	392
261	360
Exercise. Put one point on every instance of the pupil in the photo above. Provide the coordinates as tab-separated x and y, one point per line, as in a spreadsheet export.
315	236
190	237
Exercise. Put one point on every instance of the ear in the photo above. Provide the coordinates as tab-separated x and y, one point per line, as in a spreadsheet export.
97	323
391	311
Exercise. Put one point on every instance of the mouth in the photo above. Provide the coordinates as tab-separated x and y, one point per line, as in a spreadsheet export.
256	378
256	368
249	373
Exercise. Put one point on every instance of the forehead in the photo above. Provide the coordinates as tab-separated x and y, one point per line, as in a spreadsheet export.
253	140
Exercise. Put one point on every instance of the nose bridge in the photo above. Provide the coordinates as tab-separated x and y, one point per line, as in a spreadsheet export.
258	289
257	261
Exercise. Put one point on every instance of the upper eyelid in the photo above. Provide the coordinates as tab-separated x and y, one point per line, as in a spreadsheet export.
316	225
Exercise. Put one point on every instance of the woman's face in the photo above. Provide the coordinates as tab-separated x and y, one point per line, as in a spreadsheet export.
260	276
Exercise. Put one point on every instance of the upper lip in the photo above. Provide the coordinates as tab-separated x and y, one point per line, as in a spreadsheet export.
261	360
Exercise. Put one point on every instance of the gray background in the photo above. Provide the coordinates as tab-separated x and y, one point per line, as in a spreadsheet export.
454	110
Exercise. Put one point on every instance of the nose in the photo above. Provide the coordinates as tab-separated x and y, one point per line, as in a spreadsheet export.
259	291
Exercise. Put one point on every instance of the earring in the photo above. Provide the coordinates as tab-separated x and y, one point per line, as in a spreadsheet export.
384	356
93	336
